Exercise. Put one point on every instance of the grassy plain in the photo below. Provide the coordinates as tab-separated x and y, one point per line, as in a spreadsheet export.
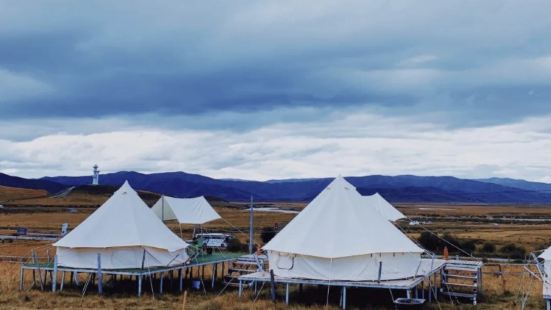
502	287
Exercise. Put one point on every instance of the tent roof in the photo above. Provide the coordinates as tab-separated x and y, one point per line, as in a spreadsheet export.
124	220
337	223
186	210
383	207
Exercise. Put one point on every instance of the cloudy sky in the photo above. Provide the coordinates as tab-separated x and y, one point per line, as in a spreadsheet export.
276	89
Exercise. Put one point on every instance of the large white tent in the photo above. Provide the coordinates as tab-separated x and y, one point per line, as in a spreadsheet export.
196	211
336	237
126	234
383	207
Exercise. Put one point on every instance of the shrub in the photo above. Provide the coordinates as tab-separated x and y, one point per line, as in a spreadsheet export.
468	245
488	247
234	245
266	234
436	244
511	250
430	241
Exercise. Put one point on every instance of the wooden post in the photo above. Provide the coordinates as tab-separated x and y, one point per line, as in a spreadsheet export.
161	277
100	276
140	285
54	276
212	275
181	282
286	293
33	255
62	281
344	297
21	277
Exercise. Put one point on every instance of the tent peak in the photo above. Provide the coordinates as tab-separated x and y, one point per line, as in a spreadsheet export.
340	182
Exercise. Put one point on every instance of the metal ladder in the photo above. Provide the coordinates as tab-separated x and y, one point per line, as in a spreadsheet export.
462	279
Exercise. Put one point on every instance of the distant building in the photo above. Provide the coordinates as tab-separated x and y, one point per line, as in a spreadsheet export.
95	176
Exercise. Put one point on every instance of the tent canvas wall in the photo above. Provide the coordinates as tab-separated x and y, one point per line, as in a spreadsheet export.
383	207
196	211
126	233
338	237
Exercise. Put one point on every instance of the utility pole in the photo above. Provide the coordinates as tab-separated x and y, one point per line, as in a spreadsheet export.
162	208
251	226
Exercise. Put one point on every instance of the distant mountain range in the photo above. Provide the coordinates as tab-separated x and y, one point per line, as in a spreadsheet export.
403	188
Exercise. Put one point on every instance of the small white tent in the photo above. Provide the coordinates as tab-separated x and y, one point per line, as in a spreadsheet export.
336	237
195	211
126	233
383	207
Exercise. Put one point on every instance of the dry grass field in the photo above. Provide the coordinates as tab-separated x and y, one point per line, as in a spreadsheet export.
8	193
502	288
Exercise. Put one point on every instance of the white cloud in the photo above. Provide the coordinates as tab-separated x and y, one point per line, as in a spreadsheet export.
353	144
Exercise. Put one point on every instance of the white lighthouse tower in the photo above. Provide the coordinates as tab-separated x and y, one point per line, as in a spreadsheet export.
95	176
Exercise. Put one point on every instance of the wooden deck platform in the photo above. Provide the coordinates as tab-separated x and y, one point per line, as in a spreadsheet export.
429	267
43	268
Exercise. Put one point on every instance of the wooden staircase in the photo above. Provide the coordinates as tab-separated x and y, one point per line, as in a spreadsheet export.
245	264
462	279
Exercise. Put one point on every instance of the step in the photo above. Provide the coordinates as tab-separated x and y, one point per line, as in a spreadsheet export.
460	284
451	275
458	268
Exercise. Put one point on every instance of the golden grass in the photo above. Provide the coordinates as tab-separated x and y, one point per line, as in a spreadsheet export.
500	292
9	193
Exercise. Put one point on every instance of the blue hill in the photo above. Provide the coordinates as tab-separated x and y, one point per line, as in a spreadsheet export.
403	188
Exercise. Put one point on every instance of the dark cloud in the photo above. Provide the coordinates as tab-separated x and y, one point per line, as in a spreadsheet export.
473	63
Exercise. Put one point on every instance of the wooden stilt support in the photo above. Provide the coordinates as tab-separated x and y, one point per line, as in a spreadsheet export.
139	286
62	281
100	276
21	277
180	280
287	293
213	275
54	275
344	297
161	278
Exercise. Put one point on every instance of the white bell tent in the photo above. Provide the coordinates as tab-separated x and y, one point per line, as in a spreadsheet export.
126	234
336	237
383	207
546	256
196	211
